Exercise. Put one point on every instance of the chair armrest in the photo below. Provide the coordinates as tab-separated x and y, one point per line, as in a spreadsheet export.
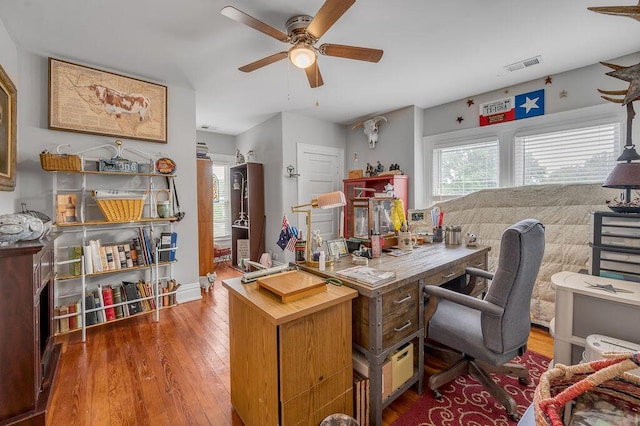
479	273
463	299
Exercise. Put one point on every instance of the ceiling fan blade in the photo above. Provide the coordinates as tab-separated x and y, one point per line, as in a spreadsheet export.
263	62
328	14
351	52
243	18
314	76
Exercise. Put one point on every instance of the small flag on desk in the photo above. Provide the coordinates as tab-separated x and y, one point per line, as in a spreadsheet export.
291	245
285	233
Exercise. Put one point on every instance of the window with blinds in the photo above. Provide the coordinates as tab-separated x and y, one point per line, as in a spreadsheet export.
461	169
581	155
221	202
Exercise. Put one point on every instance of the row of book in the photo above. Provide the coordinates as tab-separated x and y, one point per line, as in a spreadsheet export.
99	257
111	302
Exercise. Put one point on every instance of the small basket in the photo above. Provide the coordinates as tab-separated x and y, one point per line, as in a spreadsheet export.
60	162
121	210
606	380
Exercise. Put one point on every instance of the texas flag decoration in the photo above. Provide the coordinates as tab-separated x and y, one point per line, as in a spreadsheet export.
513	108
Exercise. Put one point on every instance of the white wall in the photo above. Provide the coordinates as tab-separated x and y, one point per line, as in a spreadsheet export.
218	143
399	137
580	84
9	61
34	136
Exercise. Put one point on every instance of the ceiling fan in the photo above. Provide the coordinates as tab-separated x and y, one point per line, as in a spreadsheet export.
303	32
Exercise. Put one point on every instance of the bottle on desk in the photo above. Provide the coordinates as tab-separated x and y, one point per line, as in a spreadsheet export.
321	261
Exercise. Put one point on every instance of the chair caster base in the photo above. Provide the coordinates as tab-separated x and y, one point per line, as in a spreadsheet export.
523	381
437	395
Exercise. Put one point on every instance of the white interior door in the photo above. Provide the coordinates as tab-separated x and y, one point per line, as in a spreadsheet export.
321	170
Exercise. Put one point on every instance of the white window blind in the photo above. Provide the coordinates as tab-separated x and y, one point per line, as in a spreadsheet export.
221	204
581	155
461	169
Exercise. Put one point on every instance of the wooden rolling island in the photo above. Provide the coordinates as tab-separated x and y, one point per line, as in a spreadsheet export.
290	362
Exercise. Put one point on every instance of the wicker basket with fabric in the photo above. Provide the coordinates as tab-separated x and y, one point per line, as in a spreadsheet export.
606	380
60	162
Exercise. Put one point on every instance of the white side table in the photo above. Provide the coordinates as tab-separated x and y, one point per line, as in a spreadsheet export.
582	310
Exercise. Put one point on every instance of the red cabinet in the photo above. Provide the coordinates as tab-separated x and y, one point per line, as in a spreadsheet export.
353	189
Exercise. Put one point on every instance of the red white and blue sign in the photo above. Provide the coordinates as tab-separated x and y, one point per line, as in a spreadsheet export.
517	107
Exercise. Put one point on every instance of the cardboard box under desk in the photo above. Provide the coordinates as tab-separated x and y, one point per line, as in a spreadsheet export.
361	365
401	366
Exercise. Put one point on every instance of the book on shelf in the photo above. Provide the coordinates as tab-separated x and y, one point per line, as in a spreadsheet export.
131	293
168	240
127	255
98	304
149	292
95	255
146	245
116	258
116	291
90	317
88	259
64	322
367	275
103	256
107	297
75	253
136	252
66	208
72	308
110	261
121	256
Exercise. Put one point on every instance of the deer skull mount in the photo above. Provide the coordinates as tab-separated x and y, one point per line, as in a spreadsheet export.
370	128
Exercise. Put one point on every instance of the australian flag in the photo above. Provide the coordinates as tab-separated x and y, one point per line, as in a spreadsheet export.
287	237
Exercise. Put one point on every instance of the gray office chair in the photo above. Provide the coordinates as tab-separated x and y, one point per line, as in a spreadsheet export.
487	333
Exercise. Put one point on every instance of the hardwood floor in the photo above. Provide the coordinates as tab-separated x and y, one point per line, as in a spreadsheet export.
173	372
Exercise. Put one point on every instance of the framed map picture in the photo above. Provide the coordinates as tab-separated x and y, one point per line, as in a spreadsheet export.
88	100
7	132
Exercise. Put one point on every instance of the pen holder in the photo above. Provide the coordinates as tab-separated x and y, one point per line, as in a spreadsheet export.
438	235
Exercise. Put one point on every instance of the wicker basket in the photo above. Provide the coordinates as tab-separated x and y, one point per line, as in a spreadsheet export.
60	162
121	210
604	380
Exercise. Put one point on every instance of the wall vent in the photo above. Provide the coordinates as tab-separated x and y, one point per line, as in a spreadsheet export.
524	63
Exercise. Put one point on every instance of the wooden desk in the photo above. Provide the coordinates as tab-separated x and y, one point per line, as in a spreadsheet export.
582	311
388	316
290	362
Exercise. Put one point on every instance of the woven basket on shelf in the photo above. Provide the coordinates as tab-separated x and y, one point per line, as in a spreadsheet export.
120	210
60	162
604	380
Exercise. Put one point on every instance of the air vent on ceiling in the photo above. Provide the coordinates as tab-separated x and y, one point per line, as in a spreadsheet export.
524	64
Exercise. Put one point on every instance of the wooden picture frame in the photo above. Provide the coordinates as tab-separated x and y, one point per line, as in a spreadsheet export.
337	248
89	100
8	131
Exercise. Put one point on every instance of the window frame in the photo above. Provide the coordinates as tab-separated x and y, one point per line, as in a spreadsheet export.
506	134
226	161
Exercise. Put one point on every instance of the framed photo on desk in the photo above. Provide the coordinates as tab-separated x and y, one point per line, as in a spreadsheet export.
337	248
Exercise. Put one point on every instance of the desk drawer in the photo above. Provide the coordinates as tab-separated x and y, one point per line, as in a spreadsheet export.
456	270
399	314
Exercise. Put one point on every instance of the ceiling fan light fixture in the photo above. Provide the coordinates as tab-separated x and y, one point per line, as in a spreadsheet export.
302	56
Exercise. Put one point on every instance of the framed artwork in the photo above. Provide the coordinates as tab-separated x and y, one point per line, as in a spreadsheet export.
88	100
8	130
420	220
337	248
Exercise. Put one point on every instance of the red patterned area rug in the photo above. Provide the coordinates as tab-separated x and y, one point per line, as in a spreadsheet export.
467	403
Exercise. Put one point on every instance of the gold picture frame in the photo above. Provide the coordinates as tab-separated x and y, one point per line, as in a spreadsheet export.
337	248
88	100
8	129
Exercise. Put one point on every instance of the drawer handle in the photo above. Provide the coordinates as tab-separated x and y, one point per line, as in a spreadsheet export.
406	299
451	275
408	324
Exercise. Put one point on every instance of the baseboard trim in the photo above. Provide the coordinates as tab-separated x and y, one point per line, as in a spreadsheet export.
189	292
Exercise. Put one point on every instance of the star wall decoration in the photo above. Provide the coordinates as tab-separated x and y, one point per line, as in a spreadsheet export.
548	80
470	102
459	119
564	94
628	11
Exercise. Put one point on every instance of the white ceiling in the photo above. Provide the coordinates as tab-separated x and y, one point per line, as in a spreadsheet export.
434	52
